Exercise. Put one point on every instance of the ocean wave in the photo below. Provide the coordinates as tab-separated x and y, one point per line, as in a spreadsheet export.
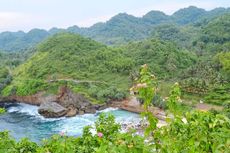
24	108
31	120
72	123
110	109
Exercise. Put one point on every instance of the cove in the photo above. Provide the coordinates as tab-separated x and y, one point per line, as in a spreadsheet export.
23	120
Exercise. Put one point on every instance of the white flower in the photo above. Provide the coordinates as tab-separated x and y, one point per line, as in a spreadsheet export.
184	120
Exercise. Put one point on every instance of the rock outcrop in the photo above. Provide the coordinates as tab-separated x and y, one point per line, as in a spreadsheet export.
52	110
66	103
77	103
36	99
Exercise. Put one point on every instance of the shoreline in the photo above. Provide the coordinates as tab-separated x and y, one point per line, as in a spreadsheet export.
130	104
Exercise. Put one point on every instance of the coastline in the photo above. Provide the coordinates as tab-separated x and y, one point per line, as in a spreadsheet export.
132	105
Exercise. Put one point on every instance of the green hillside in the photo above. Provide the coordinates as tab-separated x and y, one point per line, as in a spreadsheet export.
98	71
19	41
164	58
68	58
212	35
188	15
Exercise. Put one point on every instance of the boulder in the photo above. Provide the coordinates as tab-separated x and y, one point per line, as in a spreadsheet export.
67	98
52	110
81	113
102	107
90	110
71	112
77	101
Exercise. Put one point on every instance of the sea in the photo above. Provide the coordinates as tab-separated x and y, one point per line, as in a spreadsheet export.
24	121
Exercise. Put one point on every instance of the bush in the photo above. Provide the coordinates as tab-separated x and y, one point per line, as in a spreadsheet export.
107	126
29	87
195	132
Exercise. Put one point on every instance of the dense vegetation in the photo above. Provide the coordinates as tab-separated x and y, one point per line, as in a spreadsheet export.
196	53
67	59
193	131
164	58
98	71
18	41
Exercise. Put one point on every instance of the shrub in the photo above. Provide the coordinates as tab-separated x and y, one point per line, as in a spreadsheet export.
107	126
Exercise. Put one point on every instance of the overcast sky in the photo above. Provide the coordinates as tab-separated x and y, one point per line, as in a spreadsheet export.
27	14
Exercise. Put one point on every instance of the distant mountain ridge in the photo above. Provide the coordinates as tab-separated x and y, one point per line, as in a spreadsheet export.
119	29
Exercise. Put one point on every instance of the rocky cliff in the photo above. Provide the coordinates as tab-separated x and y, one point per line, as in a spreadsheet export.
65	103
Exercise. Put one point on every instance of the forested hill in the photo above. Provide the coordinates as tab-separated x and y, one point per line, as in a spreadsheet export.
120	29
96	70
194	52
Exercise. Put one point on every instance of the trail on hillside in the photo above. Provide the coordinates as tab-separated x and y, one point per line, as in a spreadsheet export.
77	81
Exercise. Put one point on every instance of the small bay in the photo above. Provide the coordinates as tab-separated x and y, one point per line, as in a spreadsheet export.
23	120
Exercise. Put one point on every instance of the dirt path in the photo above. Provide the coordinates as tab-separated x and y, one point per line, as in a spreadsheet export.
77	81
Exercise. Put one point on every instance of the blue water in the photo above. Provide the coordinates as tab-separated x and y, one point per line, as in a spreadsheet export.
23	120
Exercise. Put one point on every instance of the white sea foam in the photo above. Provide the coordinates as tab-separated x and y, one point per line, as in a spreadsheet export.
24	108
73	125
108	110
38	127
30	110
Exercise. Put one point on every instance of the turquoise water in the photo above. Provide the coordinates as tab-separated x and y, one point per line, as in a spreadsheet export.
23	120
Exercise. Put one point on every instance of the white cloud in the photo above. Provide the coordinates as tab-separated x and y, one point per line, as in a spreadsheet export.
12	20
90	21
9	18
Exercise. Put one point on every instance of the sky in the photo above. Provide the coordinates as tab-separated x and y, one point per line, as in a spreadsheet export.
28	14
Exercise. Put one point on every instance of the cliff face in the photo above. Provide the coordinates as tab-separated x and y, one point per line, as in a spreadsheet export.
71	103
36	99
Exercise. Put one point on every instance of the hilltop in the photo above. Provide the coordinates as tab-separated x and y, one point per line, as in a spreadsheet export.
120	29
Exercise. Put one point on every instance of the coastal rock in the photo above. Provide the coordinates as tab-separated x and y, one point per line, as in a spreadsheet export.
71	112
90	110
100	106
67	99
2	99
65	103
69	104
81	113
36	99
52	110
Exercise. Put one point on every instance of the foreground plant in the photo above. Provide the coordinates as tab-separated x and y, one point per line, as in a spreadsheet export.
191	132
108	139
146	87
195	132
